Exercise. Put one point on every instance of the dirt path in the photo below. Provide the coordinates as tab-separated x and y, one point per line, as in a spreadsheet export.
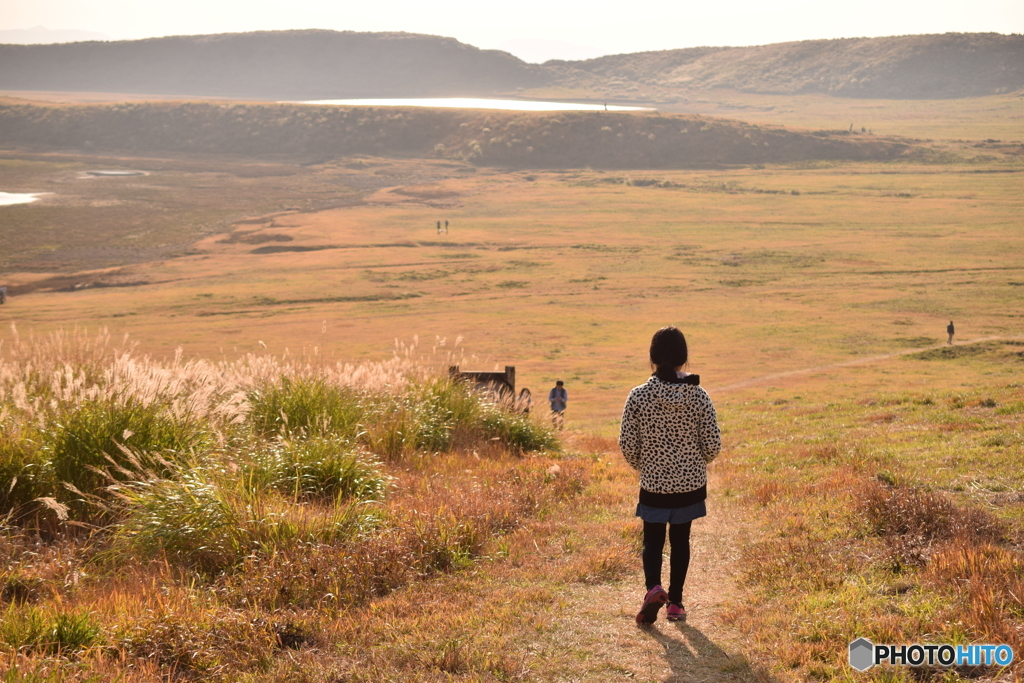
600	619
857	361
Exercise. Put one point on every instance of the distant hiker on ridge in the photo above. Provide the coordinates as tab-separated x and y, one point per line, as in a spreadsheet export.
3	295
950	331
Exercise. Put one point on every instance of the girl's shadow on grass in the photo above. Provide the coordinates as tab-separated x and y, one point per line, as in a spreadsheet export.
692	656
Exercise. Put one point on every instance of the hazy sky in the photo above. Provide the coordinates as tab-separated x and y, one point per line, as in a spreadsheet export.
541	26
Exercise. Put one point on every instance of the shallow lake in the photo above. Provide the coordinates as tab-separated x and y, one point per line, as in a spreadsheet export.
114	174
479	103
7	198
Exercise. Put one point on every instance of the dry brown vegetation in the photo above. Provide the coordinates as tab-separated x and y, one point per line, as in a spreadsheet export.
192	520
894	525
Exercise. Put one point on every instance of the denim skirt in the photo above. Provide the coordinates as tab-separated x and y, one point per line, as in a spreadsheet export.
671	515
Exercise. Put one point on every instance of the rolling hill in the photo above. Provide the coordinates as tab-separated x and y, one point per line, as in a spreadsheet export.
318	64
309	64
509	139
902	67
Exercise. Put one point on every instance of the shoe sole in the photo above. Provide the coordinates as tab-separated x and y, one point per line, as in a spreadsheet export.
649	612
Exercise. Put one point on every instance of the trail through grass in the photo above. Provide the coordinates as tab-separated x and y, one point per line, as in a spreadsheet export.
940	348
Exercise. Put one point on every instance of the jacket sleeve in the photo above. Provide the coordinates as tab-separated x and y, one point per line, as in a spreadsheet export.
629	435
710	435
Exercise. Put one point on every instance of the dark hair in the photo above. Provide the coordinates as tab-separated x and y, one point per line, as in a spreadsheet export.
559	383
668	352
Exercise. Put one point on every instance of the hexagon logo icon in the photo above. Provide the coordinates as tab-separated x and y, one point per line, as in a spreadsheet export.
862	654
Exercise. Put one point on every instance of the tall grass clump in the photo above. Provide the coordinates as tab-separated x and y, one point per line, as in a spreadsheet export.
187	517
305	406
438	414
428	415
88	438
37	629
516	431
211	519
444	414
987	580
911	521
443	408
314	469
23	474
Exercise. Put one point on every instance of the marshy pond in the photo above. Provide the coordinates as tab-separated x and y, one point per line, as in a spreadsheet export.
114	174
9	198
478	103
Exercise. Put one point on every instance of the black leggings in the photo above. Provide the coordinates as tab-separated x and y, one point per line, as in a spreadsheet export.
679	563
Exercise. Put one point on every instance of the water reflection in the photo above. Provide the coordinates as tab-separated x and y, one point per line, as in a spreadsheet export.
114	174
7	198
479	103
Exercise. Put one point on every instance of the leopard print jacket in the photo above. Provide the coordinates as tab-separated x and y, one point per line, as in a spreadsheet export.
669	434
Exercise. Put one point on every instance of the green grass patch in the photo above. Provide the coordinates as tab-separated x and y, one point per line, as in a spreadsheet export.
210	519
33	629
316	469
305	407
87	444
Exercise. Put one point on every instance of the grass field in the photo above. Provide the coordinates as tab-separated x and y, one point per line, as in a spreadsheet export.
814	296
566	274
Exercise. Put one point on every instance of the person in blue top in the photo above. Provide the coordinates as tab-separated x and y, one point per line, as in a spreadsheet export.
558	398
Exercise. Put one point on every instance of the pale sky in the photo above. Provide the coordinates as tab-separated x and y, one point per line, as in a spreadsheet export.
533	29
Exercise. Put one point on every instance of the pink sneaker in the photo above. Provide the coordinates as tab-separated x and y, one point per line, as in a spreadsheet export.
655	598
675	612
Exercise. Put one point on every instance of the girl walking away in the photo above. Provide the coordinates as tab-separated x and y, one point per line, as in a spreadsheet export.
669	434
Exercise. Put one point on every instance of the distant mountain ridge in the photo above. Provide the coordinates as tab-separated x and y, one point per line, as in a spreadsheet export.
311	64
900	67
319	64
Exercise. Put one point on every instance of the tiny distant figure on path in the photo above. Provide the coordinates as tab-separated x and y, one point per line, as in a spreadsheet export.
446	227
439	227
3	295
524	402
558	397
950	331
669	434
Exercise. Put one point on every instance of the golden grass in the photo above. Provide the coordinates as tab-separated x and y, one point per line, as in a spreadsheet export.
763	281
370	609
896	530
969	120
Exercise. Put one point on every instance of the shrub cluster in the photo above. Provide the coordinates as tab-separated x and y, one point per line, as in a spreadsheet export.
216	499
82	424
